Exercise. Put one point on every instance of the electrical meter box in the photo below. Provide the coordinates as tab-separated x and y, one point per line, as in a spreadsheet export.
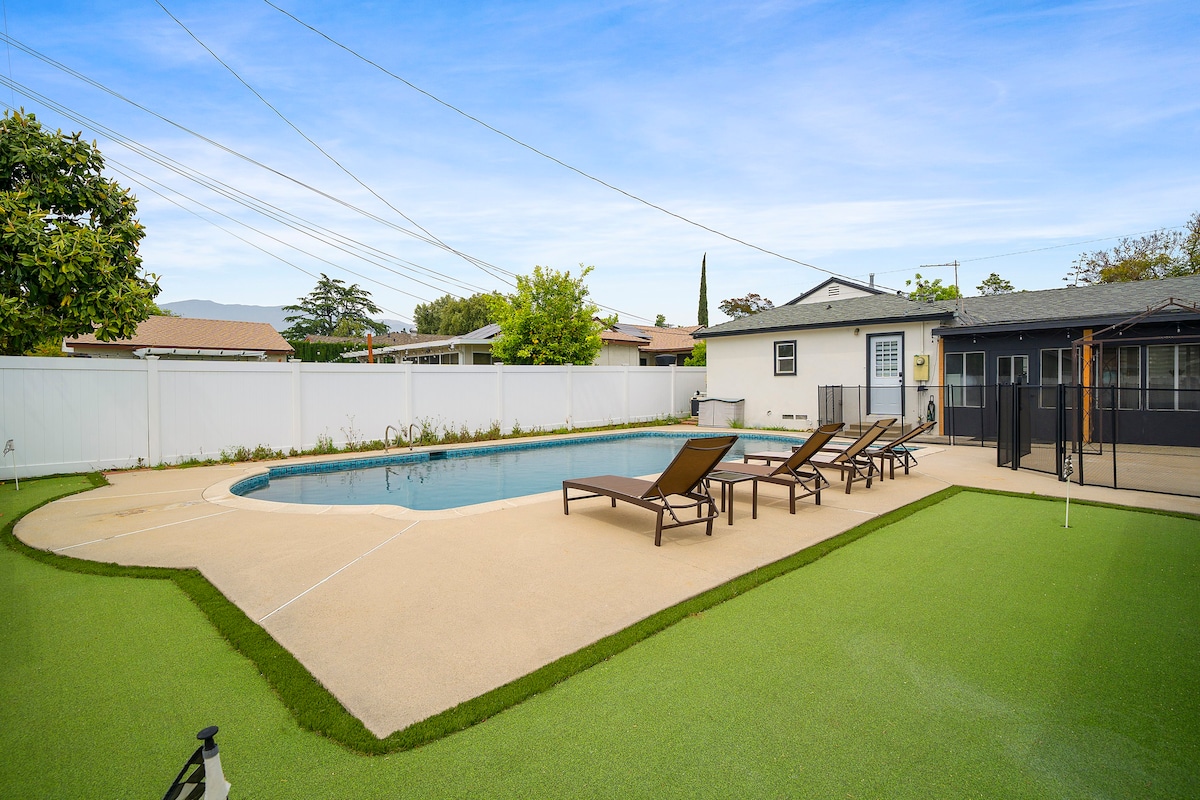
920	370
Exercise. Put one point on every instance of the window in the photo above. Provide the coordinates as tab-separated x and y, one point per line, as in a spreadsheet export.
1012	369
1121	367
964	379
1173	375
785	358
1058	366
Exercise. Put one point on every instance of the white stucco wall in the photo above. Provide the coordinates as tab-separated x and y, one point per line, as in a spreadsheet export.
744	367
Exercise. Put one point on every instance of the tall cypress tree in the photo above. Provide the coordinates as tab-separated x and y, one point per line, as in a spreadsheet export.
702	314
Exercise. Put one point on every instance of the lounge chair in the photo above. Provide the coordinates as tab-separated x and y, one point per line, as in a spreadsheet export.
895	451
853	461
791	471
683	480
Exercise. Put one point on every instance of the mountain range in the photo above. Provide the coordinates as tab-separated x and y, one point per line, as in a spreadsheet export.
272	315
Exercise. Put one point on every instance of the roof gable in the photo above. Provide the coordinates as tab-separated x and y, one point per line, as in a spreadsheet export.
834	288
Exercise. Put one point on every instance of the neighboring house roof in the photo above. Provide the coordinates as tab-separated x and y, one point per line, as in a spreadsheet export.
194	334
621	337
868	310
663	340
395	337
483	335
1101	304
831	291
489	331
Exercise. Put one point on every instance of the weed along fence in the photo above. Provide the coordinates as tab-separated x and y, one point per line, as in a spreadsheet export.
73	415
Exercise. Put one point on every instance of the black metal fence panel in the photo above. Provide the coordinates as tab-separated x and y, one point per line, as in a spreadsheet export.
1111	434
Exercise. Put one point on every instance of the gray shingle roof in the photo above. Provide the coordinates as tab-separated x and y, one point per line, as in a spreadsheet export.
1107	301
850	311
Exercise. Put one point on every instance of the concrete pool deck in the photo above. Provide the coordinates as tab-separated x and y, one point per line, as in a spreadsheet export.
403	614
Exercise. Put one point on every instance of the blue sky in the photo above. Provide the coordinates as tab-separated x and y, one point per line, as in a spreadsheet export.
857	137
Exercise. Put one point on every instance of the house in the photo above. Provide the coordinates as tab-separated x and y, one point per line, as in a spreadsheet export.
474	347
1135	345
661	347
887	356
621	345
838	334
187	338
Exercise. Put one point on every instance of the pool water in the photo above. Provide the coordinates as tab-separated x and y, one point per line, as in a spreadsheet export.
464	477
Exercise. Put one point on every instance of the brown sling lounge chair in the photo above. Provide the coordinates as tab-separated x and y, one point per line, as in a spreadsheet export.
680	487
896	451
854	463
791	472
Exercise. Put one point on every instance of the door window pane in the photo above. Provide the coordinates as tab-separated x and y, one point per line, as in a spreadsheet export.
887	358
1160	376
1188	363
1121	377
964	379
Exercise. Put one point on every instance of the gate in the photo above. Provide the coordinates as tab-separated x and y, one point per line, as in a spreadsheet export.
1102	428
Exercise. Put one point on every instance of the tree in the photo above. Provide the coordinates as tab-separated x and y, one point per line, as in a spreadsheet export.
929	290
550	320
699	356
69	262
736	307
1159	254
702	313
453	316
660	321
994	284
334	309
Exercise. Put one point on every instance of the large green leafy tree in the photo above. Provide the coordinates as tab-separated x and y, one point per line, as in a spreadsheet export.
453	316
69	261
549	320
334	309
1159	254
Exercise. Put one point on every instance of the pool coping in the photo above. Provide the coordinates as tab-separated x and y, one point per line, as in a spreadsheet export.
222	493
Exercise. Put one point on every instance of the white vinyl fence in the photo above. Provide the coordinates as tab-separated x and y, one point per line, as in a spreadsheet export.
75	415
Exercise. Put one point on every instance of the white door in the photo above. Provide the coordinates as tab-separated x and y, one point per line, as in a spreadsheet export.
885	374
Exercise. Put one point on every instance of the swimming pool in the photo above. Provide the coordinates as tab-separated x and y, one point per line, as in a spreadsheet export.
452	478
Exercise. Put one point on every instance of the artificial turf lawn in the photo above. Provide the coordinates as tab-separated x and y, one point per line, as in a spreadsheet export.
975	648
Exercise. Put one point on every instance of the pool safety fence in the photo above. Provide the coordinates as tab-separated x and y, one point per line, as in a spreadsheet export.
961	413
81	414
1144	438
1127	437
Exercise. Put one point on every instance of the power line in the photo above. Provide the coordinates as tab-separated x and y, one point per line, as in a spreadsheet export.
242	198
473	262
1040	249
212	142
186	172
542	153
144	180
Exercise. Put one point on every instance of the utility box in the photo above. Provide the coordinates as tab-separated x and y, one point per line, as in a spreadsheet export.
920	370
716	412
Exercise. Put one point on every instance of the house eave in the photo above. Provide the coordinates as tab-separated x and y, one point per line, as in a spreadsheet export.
1055	324
890	320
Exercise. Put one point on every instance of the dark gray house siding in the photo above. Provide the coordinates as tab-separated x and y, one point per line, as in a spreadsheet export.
1036	330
